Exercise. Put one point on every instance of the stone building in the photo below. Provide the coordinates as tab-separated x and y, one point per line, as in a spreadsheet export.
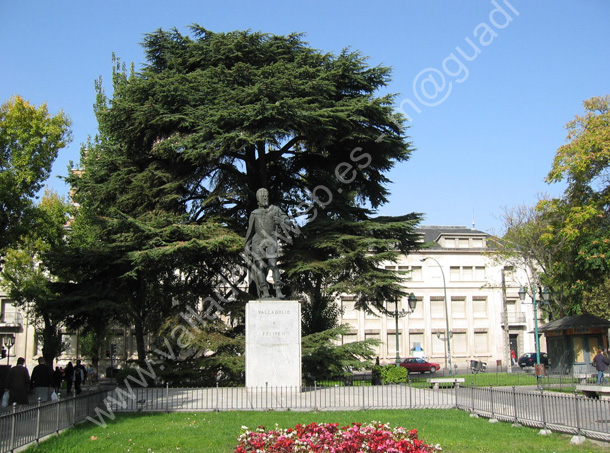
457	264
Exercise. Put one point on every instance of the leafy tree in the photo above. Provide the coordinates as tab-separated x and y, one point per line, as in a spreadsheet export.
583	212
30	138
185	143
29	281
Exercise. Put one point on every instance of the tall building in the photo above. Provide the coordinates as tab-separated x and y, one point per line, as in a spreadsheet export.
457	264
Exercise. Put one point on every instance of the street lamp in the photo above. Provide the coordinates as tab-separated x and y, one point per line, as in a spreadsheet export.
9	342
545	299
400	314
447	333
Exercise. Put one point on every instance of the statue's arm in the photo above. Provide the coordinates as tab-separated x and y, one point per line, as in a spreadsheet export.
250	228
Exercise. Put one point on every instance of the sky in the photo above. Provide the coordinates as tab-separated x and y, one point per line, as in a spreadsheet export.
488	86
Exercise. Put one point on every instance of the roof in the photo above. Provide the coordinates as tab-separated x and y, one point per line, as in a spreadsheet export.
432	233
575	322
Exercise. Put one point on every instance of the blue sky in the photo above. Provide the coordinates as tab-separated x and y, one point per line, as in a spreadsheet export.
488	85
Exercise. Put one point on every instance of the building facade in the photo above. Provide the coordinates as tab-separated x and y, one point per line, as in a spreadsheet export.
457	265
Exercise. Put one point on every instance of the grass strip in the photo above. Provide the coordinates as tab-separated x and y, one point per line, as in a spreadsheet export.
215	432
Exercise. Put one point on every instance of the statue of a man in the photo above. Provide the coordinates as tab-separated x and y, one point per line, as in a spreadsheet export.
267	223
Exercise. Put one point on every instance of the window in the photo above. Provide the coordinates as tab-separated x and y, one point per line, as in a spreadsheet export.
348	309
437	307
467	273
477	243
479	307
374	336
479	274
480	343
450	243
458	307
458	343
413	273
463	243
350	338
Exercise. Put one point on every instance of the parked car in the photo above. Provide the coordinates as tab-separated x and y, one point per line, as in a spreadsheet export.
529	359
418	365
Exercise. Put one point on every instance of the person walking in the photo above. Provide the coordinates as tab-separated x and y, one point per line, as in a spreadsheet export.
42	381
58	376
17	383
80	376
600	362
69	377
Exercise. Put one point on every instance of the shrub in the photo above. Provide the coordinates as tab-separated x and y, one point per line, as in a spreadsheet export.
392	374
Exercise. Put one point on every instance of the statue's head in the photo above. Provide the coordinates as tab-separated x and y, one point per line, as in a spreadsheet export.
262	196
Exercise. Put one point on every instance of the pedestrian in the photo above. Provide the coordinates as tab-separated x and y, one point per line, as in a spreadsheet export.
58	376
69	377
91	374
600	362
42	380
513	357
80	376
17	383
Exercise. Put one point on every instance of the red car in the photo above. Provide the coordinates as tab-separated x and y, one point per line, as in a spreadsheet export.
417	365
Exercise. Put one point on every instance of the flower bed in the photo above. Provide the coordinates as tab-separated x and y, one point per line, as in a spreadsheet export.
329	437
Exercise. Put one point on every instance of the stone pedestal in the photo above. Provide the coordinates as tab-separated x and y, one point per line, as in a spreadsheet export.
273	343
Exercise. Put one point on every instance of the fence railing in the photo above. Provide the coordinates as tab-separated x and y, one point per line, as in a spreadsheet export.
20	426
562	412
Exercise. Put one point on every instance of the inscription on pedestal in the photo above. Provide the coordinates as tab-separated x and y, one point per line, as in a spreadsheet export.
273	343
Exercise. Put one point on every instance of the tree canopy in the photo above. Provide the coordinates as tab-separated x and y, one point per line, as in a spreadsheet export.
580	219
186	141
30	138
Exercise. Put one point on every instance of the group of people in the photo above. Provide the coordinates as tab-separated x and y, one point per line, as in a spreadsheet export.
44	381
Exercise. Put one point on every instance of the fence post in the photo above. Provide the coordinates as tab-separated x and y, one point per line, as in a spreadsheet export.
515	404
38	421
577	414
456	386
167	397
410	396
542	407
472	397
315	395
13	427
58	413
363	396
74	409
491	397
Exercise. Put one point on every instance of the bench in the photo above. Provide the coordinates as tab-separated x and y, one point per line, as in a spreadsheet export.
594	390
582	377
435	383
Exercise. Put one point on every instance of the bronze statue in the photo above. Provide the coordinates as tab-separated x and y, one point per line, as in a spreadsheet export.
267	224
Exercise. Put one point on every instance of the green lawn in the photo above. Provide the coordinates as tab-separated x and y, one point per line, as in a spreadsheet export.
206	432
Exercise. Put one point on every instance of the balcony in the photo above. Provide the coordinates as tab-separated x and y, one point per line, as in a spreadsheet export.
11	319
514	318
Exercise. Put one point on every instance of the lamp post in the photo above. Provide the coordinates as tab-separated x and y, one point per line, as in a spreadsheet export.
9	342
412	304
545	298
447	333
